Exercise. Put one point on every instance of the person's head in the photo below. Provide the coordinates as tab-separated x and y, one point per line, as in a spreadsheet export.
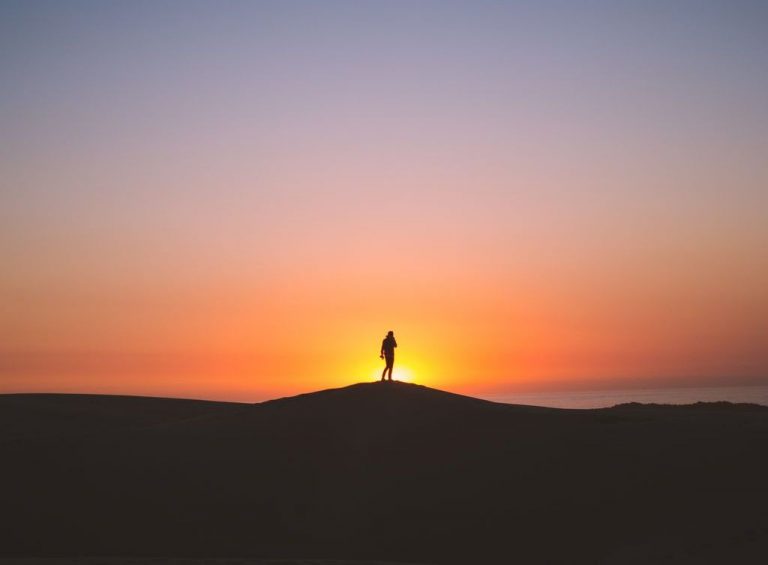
390	333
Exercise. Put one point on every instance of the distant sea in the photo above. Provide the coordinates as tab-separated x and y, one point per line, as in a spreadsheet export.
605	398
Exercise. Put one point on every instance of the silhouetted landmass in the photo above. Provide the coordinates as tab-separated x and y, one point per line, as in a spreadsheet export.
718	405
382	472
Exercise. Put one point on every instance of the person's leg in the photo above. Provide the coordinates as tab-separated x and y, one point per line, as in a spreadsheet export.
390	363
383	373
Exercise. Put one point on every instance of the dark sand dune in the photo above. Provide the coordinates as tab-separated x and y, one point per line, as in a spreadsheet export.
39	415
387	472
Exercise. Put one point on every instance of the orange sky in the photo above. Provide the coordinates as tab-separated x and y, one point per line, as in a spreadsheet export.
239	204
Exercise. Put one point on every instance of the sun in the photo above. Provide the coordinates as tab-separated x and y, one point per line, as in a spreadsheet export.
403	374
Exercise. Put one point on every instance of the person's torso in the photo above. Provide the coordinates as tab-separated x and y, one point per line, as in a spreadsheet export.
388	345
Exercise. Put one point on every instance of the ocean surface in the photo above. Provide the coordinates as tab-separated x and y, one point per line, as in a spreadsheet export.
605	398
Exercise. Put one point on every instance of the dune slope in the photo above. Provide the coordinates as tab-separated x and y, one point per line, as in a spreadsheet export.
379	471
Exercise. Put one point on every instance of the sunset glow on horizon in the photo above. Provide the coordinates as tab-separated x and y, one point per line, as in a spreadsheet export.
238	201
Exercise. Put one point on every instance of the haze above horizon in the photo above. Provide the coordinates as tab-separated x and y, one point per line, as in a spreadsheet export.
239	200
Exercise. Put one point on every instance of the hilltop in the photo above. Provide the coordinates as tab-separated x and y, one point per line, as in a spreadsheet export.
382	471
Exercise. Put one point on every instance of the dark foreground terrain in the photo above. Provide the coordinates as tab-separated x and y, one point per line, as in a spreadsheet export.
379	472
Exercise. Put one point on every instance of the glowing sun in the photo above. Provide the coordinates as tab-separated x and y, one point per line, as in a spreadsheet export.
403	374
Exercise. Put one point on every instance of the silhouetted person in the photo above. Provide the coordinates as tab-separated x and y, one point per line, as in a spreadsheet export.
388	353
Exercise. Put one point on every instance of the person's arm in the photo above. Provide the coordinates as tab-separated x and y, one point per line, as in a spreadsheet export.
381	352
394	343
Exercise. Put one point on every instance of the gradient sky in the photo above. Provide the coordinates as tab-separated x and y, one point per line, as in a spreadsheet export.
237	200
